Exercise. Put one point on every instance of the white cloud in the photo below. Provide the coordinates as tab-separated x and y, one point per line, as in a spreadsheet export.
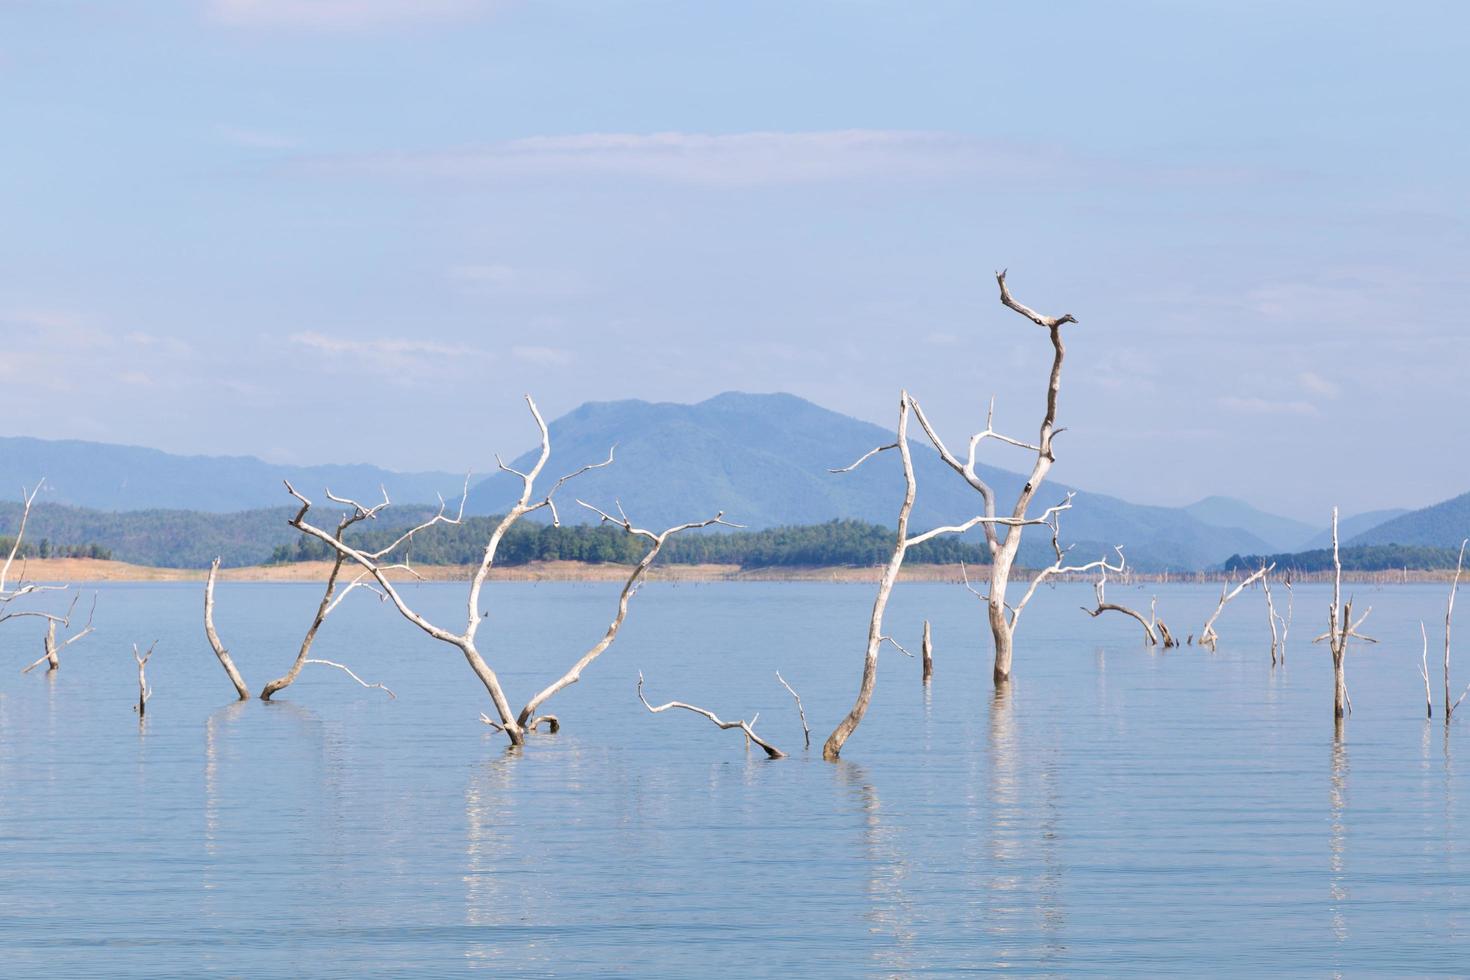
546	356
730	159
337	15
484	275
1317	385
254	139
1266	406
384	348
394	360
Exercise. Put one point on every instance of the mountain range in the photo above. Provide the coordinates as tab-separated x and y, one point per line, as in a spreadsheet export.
764	460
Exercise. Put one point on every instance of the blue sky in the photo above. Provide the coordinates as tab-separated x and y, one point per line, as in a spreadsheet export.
358	230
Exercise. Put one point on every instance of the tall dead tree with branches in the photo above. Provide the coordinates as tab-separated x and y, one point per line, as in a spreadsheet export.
1003	548
832	748
1449	615
380	567
1341	628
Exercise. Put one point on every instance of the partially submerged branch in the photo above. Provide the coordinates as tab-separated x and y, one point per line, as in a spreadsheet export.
1208	637
1104	606
225	660
375	564
527	716
805	731
771	751
1449	615
53	650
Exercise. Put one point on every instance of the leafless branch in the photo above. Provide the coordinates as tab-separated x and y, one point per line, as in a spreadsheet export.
1208	637
1104	606
348	671
770	750
630	588
805	731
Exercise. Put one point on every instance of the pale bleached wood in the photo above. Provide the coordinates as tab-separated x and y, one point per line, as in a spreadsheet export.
225	660
573	674
331	597
770	750
806	732
1104	606
1341	628
348	671
1449	615
1208	637
465	640
144	691
928	650
52	656
1002	615
1424	672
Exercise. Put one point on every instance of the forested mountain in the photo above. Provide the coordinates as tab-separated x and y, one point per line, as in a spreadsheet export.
765	461
108	477
1442	525
1349	528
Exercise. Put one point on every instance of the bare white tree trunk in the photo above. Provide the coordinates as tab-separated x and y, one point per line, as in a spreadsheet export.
53	650
226	661
771	751
1449	615
1424	672
1003	551
331	598
374	564
1341	628
22	588
1208	637
528	718
144	691
806	731
832	748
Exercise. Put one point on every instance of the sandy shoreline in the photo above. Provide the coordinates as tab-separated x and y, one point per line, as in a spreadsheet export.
94	570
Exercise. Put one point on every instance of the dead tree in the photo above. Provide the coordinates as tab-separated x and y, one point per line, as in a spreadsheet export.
144	691
771	751
1167	638
52	657
379	567
1341	628
1208	637
331	598
1003	550
1449	615
1104	606
806	731
832	748
225	660
528	719
22	588
928	652
1424	672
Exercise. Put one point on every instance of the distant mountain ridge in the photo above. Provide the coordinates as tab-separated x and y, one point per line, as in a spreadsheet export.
1280	533
102	476
762	458
1441	525
765	460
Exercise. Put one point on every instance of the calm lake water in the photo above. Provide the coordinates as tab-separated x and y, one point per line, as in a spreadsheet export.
1124	810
